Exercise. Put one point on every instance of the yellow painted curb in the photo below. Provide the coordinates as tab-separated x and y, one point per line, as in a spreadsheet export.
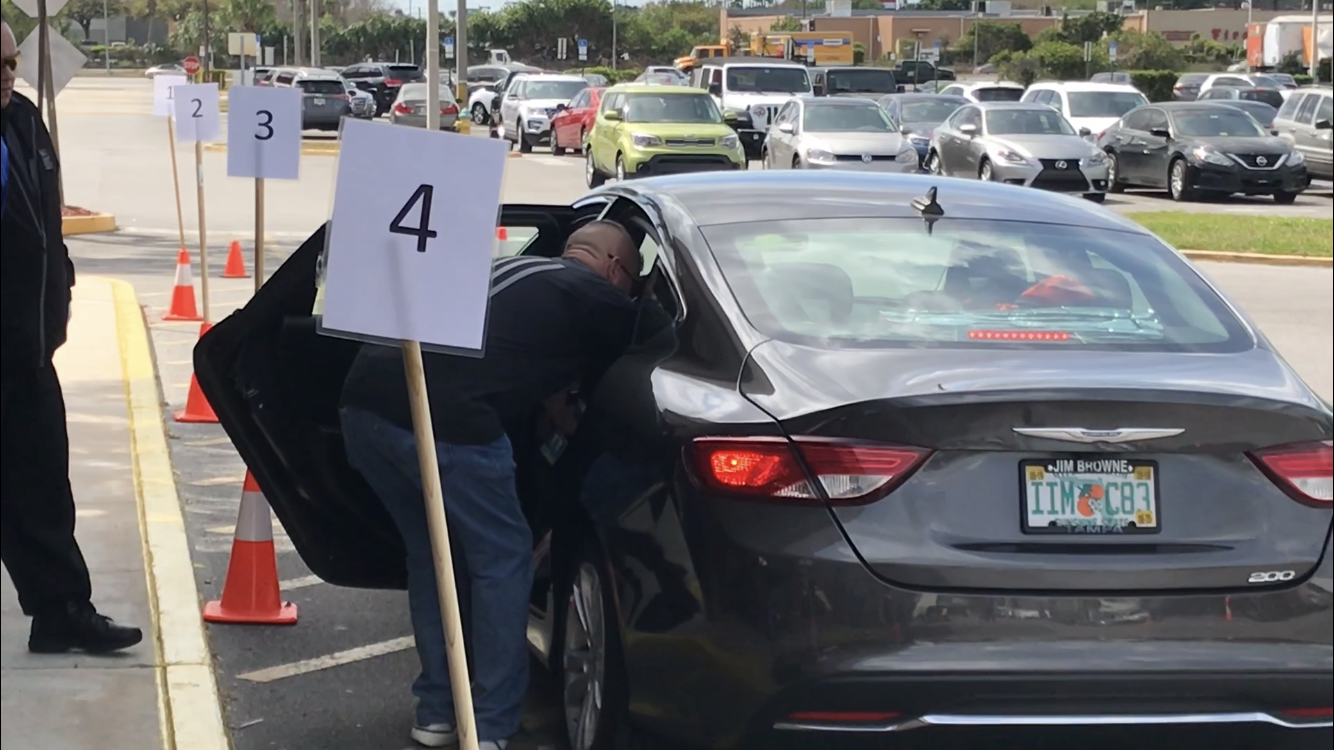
515	155
1259	258
319	148
462	126
189	707
94	224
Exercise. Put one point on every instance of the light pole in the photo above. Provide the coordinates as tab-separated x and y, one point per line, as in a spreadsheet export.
1250	14
314	33
614	54
106	35
461	55
977	32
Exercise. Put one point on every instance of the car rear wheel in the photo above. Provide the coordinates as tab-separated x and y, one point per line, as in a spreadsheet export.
1178	181
592	176
525	145
985	172
764	158
796	162
1114	184
479	115
1285	199
620	168
556	148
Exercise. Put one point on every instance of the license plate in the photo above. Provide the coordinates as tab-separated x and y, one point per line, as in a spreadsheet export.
1089	496
319	102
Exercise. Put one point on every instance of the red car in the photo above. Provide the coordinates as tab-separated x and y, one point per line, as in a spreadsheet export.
573	121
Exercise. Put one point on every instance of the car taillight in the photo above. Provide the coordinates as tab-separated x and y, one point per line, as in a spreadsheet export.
344	97
449	109
402	109
1305	471
392	82
804	469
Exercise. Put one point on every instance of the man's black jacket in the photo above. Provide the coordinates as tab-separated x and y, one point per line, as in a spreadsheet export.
35	270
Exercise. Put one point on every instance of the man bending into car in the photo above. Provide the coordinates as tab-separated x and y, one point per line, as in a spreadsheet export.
552	323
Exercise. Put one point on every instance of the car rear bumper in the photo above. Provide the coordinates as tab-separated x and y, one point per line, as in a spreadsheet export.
447	122
1249	181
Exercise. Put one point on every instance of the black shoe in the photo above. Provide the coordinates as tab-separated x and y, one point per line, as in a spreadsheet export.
79	628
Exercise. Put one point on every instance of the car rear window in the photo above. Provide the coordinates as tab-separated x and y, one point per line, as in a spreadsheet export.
1192	79
324	88
885	283
404	72
998	94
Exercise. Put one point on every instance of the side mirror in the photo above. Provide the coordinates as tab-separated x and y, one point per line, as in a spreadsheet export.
1274	132
786	128
612	115
968	130
817	89
1085	132
729	117
1160	133
1324	125
715	89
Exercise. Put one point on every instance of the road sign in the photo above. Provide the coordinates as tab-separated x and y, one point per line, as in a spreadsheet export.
240	43
162	93
195	110
1111	51
1088	51
583	49
562	48
264	132
191	65
29	7
449	47
66	59
409	247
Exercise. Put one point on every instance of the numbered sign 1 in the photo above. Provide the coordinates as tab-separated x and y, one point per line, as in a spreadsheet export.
162	96
412	237
195	108
264	132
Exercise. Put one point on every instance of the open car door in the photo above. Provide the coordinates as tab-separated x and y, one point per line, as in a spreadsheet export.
275	383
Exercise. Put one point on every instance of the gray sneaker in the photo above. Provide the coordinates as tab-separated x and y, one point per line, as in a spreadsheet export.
435	735
494	745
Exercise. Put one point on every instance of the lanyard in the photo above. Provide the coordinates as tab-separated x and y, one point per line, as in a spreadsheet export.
4	175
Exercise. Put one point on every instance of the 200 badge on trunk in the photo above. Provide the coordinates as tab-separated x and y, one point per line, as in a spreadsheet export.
1090	496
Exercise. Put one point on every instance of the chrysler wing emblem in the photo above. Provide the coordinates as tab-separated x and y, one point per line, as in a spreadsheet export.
1261	160
1061	165
866	158
1081	435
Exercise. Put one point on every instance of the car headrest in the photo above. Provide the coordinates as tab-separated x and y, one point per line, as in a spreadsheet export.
810	289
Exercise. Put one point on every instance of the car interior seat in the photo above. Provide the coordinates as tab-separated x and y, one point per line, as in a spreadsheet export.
804	294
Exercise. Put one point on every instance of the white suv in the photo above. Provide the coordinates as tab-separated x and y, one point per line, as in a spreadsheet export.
1090	107
529	104
750	91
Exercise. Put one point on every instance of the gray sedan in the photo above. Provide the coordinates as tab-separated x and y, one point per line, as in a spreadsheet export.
836	133
410	107
1019	144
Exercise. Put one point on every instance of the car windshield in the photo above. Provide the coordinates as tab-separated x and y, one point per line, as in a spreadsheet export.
861	81
683	108
960	283
1283	78
1038	121
844	118
417	91
1104	103
767	80
595	80
1192	79
1272	97
1225	121
1263	113
322	87
998	94
930	111
561	90
1266	82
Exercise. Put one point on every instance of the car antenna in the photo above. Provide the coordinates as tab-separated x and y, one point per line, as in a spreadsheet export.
929	208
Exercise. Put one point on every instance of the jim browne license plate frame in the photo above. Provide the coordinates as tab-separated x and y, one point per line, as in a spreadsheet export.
1053	464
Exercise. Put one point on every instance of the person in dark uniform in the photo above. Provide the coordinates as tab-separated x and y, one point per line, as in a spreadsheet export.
553	322
36	503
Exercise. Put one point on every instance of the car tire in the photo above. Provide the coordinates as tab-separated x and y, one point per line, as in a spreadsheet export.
525	145
764	158
796	162
620	169
985	172
556	148
1178	181
479	114
592	176
933	165
1285	199
591	671
1114	184
1095	197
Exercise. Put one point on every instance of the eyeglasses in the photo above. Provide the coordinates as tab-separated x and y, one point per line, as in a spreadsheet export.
11	62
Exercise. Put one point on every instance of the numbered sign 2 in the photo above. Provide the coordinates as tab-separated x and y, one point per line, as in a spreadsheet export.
264	132
195	109
162	93
412	238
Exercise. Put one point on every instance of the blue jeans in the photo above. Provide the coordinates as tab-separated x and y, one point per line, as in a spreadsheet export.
497	546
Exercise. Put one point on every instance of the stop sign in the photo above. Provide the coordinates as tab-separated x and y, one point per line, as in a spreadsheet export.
191	65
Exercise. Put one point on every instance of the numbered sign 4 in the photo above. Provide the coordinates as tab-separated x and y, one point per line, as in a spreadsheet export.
264	132
421	271
162	93
195	108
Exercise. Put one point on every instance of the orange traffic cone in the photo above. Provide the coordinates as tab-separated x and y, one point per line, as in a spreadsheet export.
197	408
235	268
502	234
183	305
250	594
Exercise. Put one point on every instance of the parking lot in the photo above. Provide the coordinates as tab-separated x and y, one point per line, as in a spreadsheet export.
339	679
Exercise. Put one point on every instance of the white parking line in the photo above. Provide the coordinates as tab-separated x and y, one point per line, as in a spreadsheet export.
321	663
300	583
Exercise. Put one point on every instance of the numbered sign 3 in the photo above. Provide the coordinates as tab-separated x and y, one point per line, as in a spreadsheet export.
421	271
162	93
195	108
264	132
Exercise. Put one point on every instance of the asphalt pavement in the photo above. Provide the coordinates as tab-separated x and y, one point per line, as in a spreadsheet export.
339	679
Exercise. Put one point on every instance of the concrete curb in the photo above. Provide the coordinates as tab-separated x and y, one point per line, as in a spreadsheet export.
331	148
189	706
94	224
1259	258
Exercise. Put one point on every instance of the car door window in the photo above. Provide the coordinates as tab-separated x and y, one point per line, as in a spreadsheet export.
285	79
580	100
1290	108
1324	110
1137	120
1156	119
1306	115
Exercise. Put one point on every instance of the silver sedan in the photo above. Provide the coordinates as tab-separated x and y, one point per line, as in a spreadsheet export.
1019	144
410	107
836	133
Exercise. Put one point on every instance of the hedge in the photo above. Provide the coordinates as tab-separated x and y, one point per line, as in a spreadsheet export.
620	75
1155	84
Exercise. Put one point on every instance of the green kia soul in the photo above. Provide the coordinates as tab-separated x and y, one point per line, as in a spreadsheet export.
643	129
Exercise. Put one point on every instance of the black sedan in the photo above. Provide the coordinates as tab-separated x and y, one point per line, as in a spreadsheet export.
917	115
976	458
1198	149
